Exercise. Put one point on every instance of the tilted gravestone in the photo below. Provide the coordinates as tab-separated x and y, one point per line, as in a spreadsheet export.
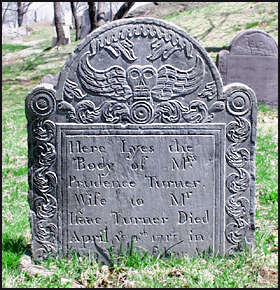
252	59
139	145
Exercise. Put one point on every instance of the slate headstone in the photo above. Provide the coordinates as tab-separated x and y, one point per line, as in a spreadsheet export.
139	146
252	59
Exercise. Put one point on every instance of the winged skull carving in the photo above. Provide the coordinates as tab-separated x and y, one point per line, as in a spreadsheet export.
141	82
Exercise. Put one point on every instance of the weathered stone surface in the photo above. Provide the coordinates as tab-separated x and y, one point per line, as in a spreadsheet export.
140	144
252	59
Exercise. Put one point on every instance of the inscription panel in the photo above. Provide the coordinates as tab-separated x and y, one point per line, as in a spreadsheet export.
161	189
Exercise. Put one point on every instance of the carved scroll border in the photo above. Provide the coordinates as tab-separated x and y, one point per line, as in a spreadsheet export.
141	112
40	105
240	172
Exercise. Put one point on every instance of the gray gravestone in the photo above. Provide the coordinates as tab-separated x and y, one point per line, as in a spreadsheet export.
252	59
140	144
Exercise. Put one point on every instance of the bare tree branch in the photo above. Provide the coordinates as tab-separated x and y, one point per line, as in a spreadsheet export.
5	11
97	13
123	10
26	6
22	8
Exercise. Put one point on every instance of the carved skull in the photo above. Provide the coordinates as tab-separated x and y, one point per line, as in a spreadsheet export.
141	79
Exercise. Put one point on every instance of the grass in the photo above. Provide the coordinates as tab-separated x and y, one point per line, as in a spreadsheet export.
247	270
6	48
221	22
144	271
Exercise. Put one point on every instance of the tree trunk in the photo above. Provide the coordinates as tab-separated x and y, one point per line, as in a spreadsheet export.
111	12
76	20
60	40
100	14
20	13
35	16
123	10
91	12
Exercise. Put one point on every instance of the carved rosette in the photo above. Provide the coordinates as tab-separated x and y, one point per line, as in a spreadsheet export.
239	200
40	105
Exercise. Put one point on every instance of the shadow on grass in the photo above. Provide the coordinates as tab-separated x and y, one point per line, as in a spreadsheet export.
12	250
215	49
15	245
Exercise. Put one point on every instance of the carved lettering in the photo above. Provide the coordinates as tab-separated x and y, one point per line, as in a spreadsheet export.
89	239
176	147
82	164
166	238
181	199
78	147
132	150
196	237
182	163
80	219
89	199
189	218
137	201
119	219
139	165
153	181
100	183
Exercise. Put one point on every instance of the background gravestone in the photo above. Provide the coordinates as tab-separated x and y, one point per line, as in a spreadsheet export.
139	144
252	59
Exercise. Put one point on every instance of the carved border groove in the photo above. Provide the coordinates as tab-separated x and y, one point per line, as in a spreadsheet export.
239	101
40	104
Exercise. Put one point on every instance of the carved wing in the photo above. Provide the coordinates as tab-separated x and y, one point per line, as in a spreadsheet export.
109	83
173	82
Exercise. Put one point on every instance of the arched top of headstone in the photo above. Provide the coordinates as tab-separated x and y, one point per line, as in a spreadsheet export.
254	42
138	60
